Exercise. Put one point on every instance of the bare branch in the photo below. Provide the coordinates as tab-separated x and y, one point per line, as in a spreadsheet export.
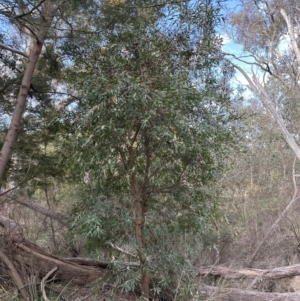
231	273
38	208
292	37
121	250
265	68
28	12
15	275
43	283
13	50
257	88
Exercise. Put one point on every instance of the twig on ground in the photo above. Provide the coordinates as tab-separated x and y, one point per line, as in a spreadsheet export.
43	283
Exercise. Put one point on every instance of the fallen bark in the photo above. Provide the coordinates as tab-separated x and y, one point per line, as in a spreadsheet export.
232	294
227	273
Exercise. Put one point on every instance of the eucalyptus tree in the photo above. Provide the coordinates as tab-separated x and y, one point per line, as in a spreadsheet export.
269	33
149	129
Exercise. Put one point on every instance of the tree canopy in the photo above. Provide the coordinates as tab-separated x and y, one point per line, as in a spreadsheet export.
130	100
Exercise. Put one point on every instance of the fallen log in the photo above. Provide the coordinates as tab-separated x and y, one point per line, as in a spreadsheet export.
227	273
41	262
232	294
26	254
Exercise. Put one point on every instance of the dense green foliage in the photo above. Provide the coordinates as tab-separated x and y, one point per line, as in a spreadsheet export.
132	107
151	124
128	129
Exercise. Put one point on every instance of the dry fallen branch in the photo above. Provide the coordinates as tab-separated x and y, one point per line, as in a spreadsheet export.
15	275
24	253
28	254
227	273
43	283
232	294
59	217
13	231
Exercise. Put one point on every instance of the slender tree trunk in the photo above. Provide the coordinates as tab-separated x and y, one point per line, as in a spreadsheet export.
36	46
139	220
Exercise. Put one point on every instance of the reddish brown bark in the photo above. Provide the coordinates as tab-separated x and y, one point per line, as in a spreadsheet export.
36	46
139	219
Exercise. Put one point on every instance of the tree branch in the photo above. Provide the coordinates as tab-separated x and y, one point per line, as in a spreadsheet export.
121	250
40	209
13	50
43	283
230	273
292	37
256	87
28	12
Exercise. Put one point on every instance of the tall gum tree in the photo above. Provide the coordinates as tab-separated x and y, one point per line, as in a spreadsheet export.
269	32
150	126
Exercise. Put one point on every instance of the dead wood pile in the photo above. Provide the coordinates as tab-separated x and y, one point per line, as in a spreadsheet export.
23	253
18	255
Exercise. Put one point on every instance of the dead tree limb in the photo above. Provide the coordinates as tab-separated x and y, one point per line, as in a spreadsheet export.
41	262
15	275
13	50
26	254
232	294
121	250
228	273
43	283
13	231
59	217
